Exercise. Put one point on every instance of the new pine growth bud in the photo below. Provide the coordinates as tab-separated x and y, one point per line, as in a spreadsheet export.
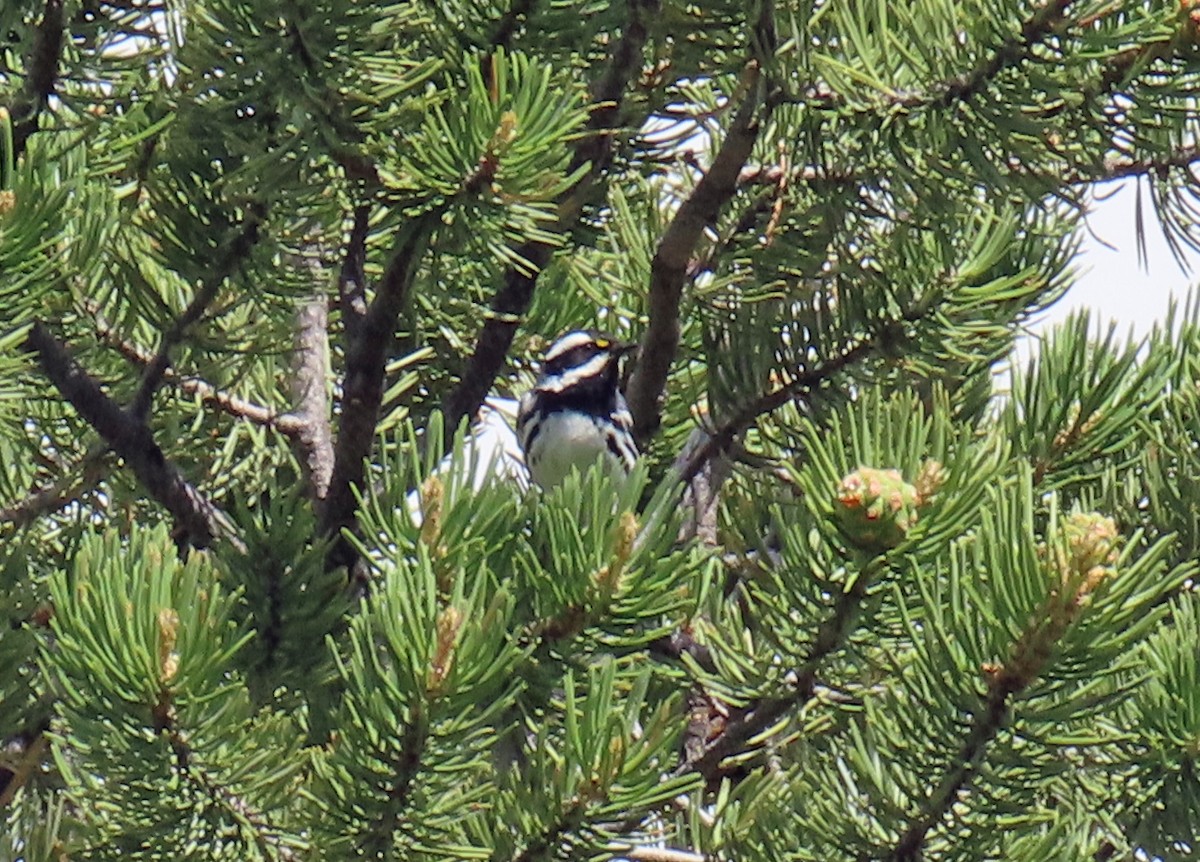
168	636
608	578
433	494
1079	564
449	623
1091	549
1091	539
929	481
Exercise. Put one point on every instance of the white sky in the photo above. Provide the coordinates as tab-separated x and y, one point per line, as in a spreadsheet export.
1112	282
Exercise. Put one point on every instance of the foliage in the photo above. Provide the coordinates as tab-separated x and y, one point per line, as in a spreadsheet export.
266	598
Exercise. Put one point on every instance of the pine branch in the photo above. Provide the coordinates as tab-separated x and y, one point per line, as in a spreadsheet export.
830	636
985	727
310	387
362	387
287	424
381	841
324	102
725	435
1035	30
265	835
352	278
235	253
1119	168
669	267
513	299
1079	576
41	75
195	516
52	497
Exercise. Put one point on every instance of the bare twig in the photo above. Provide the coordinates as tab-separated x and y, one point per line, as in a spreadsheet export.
195	517
285	423
661	854
513	298
52	497
362	388
226	264
703	492
724	436
311	390
41	73
352	280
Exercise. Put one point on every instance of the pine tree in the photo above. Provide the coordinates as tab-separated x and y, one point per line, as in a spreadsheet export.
267	596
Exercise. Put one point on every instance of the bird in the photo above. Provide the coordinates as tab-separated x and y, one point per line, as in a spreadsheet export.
575	412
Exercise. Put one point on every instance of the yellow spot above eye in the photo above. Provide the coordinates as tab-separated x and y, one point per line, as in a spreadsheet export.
603	343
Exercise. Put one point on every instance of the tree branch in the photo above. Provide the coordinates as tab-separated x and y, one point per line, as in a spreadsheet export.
239	408
352	279
41	74
310	387
1035	30
661	854
1118	168
195	517
267	836
362	388
52	497
1027	658
234	254
830	636
1047	20
723	437
985	727
669	268
514	297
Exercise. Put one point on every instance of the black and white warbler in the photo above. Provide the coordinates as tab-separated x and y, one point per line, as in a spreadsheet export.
575	412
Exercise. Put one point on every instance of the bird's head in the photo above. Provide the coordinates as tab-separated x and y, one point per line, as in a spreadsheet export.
582	357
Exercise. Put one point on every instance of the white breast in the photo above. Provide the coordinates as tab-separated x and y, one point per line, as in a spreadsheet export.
567	439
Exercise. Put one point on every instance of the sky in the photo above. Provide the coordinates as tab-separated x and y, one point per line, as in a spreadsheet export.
1112	282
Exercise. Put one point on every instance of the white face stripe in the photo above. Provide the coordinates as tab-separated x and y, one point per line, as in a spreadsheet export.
569	341
559	382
